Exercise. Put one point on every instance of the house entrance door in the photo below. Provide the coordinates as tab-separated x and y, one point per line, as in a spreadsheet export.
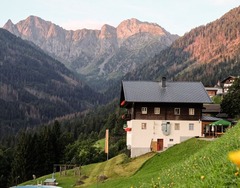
159	144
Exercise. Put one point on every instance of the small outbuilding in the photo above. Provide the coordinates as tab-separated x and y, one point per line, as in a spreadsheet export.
50	181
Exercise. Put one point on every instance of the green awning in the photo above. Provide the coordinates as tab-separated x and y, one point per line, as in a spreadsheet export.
221	123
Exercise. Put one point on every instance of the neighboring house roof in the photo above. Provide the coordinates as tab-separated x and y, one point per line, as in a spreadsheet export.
208	108
211	88
228	78
50	181
174	92
210	118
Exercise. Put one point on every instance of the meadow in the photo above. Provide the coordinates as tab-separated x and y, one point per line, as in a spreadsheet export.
193	163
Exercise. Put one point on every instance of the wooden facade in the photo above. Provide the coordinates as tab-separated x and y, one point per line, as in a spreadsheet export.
166	111
212	91
227	82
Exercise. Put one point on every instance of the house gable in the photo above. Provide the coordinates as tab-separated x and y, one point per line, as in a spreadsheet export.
227	83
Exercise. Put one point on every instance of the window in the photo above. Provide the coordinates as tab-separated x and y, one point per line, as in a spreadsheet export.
170	140
144	125
191	111
191	126
144	110
176	111
156	110
177	126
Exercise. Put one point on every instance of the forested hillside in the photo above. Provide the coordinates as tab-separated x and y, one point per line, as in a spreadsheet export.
208	53
35	88
71	141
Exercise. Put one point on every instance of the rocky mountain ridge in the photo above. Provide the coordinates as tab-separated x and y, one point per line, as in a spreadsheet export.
207	53
97	54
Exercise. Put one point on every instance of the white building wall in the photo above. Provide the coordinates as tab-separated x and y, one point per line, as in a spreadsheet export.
139	140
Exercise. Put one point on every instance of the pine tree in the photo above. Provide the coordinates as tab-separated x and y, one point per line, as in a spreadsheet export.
231	101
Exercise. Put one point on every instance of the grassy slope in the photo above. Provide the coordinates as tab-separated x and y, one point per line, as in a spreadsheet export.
119	166
152	168
194	163
208	167
116	167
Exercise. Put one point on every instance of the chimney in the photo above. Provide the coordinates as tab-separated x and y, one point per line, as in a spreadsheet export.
164	82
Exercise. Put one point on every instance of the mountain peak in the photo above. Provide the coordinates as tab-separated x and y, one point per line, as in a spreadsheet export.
107	31
132	21
95	53
11	27
9	22
35	21
33	28
133	26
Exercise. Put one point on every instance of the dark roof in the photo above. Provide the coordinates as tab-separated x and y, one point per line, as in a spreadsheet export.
228	78
211	108
210	118
174	92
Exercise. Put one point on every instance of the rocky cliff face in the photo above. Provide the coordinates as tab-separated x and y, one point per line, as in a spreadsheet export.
106	53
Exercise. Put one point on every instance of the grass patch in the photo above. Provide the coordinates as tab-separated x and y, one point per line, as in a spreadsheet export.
100	144
152	168
193	163
114	168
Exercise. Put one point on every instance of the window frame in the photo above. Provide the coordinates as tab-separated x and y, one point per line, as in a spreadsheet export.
191	111
157	110
191	126
177	125
144	110
144	126
177	111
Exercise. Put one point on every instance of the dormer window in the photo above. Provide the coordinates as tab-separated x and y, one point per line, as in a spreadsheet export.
144	110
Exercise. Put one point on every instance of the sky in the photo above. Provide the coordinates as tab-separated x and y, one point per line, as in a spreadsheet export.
176	16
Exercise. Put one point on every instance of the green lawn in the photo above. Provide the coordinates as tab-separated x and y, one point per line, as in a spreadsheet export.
100	144
193	163
161	162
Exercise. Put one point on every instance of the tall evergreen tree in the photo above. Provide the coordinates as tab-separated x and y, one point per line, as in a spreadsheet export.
21	167
6	156
231	101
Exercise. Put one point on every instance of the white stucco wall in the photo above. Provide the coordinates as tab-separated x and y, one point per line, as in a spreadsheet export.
139	140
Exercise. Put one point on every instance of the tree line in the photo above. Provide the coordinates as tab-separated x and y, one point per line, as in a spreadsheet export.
34	151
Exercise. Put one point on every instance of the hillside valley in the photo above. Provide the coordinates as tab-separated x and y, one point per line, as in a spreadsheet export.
97	55
208	53
60	89
35	88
